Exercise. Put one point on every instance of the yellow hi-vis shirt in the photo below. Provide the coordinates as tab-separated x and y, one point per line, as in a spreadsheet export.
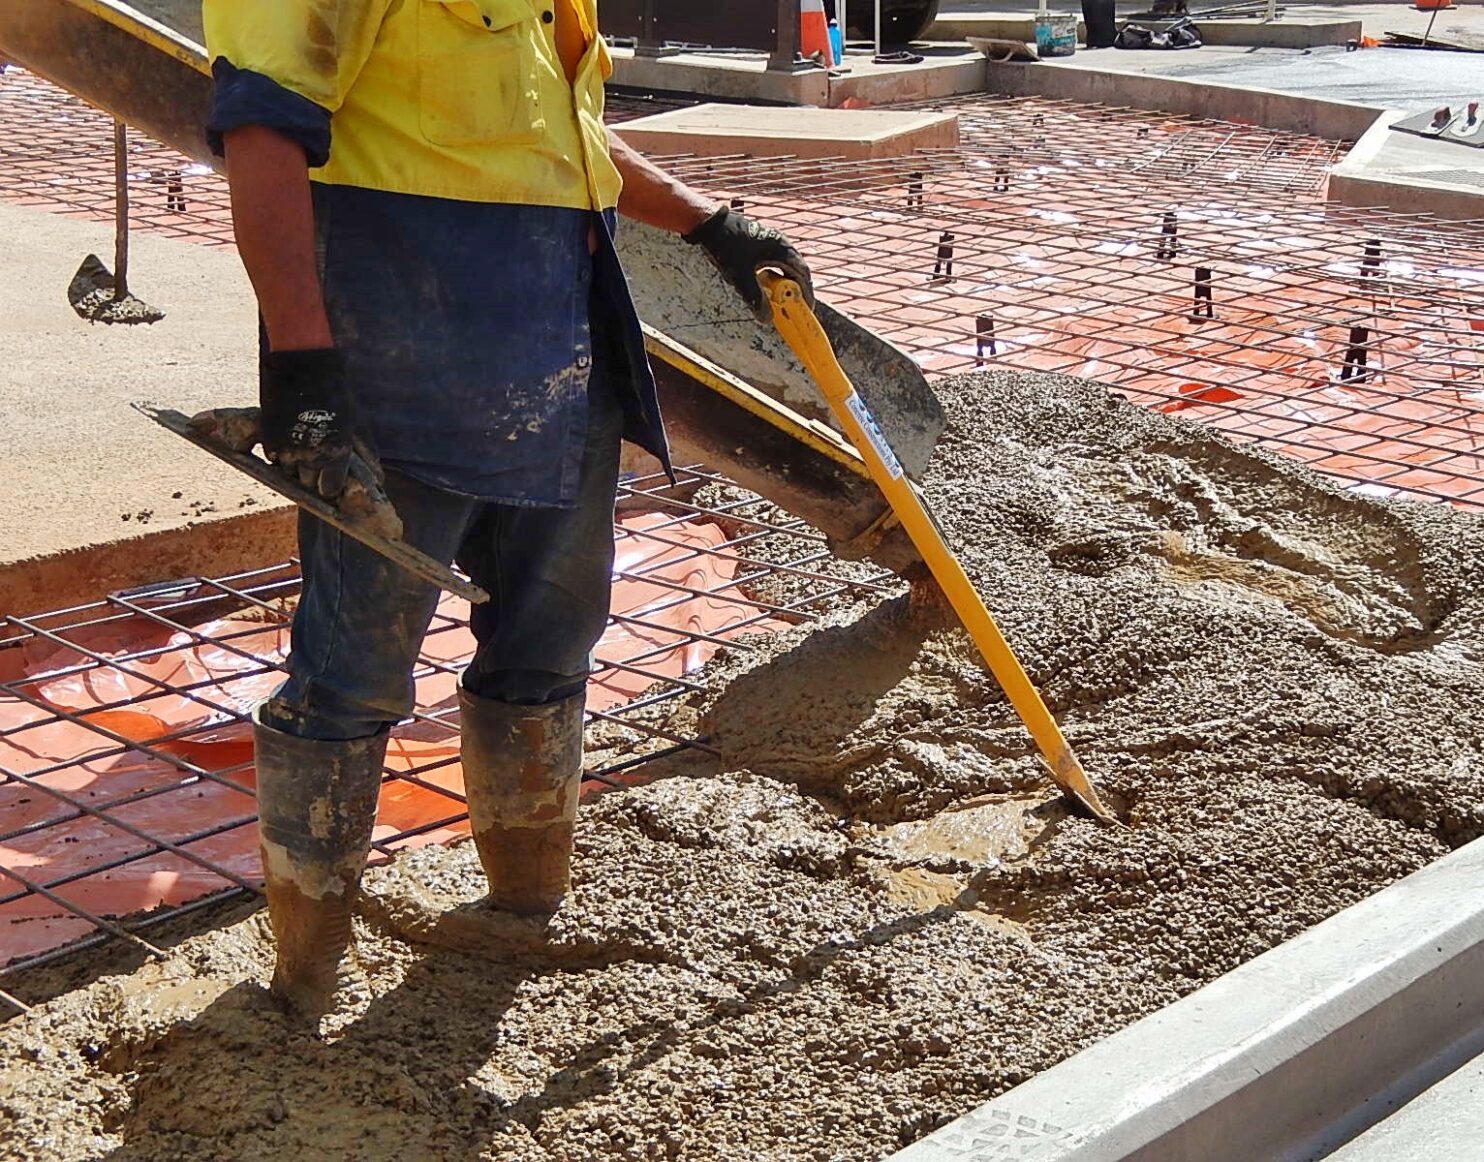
463	99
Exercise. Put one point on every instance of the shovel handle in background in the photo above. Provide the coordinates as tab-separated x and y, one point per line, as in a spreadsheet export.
801	331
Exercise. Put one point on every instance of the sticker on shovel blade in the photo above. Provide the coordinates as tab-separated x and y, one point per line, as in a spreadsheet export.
873	432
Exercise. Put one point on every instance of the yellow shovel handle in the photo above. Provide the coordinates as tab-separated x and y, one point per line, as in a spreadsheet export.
801	330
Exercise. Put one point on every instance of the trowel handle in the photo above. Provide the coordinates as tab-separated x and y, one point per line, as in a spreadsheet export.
800	329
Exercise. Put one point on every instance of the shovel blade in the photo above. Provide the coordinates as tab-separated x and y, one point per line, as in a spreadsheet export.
93	293
679	293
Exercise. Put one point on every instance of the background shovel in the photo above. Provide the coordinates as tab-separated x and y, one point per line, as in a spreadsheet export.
96	295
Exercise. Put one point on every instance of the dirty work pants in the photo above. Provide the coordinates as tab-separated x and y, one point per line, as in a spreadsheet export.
548	571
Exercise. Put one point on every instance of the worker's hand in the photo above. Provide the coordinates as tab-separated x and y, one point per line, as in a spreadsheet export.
741	247
307	417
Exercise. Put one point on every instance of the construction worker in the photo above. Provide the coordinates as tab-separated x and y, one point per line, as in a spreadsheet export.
423	193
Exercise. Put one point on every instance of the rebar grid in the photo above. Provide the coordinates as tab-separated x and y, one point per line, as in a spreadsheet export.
1147	145
56	153
127	768
1191	265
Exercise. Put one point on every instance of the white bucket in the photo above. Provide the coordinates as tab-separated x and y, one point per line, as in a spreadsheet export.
1056	34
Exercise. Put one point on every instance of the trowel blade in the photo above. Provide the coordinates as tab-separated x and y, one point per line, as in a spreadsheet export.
396	551
1075	784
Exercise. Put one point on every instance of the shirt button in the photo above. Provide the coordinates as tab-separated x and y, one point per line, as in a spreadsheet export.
584	360
547	17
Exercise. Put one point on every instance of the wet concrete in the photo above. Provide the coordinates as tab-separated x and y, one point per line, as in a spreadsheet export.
870	913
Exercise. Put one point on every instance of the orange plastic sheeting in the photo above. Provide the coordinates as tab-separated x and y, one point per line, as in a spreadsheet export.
1069	292
221	678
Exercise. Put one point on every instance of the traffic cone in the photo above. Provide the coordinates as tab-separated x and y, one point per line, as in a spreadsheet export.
814	32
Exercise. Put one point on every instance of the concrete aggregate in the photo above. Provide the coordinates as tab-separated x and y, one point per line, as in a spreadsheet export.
870	911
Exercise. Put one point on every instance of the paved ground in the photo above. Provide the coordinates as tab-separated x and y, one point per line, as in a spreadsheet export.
1377	18
1390	77
80	466
1446	1121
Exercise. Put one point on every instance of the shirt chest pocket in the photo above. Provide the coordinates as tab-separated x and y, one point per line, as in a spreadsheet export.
477	75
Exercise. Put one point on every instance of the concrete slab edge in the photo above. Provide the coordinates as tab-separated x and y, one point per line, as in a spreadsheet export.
209	548
1286	1057
912	83
1342	120
1069	81
1402	195
720	78
1354	183
725	80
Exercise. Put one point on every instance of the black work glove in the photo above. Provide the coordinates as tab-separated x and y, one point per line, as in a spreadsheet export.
740	247
307	417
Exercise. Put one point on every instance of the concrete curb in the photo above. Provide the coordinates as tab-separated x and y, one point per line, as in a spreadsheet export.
1361	180
1287	1057
1272	110
912	83
210	548
720	77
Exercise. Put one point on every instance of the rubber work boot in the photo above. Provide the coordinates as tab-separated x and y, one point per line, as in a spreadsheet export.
522	775
316	809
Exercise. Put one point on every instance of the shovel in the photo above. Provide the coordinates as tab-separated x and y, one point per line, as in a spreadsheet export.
801	330
95	294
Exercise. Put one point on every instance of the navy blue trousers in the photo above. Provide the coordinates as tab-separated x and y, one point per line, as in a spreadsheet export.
361	619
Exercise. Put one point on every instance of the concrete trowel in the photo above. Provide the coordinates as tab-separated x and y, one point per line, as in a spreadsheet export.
363	511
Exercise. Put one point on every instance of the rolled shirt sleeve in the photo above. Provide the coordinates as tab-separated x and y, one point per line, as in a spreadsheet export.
241	97
286	65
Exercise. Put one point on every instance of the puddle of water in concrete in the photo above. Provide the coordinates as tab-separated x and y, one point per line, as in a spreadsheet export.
981	832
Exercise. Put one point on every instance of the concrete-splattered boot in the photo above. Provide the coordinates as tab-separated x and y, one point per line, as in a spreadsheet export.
316	810
522	774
